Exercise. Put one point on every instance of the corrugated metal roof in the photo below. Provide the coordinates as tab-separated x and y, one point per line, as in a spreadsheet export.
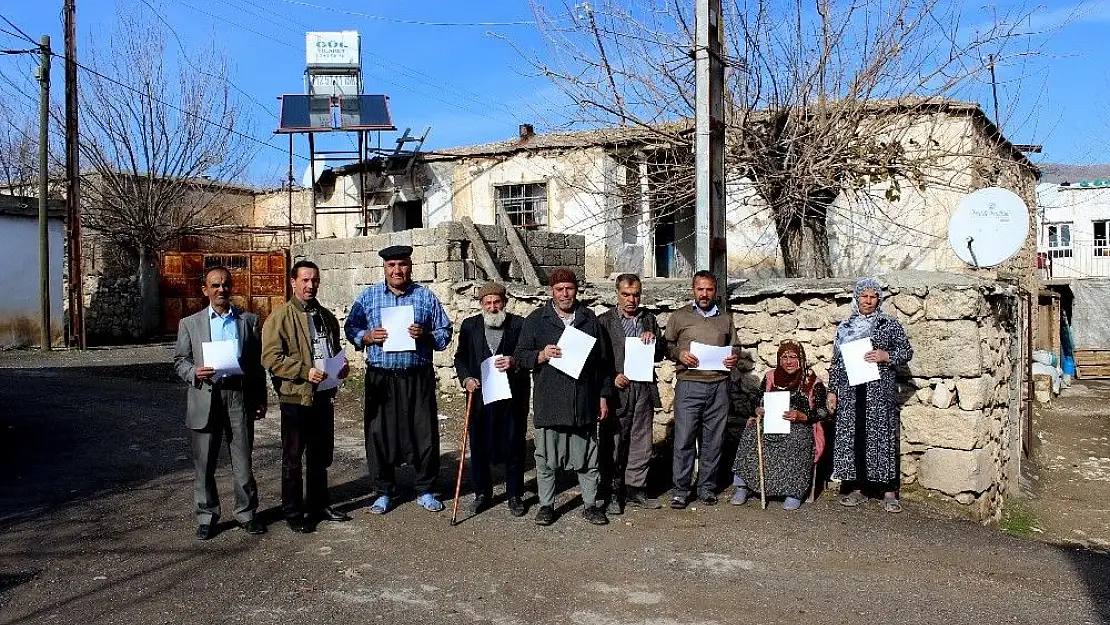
1059	173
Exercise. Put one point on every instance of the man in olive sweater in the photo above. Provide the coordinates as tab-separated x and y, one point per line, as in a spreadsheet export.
701	396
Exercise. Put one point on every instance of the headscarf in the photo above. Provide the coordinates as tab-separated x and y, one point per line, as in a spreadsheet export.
858	325
790	381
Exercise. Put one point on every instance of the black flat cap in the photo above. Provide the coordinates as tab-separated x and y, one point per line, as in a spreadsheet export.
395	252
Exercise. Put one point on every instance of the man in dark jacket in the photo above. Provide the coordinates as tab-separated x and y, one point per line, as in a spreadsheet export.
566	409
496	427
626	437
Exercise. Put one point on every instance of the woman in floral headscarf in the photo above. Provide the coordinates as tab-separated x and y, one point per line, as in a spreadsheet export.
866	448
787	458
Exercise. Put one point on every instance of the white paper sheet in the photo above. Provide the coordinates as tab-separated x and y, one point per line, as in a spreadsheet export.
710	357
639	359
576	346
859	370
775	405
495	384
223	356
396	321
332	366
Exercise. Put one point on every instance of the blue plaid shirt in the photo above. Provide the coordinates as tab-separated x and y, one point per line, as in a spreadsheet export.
366	315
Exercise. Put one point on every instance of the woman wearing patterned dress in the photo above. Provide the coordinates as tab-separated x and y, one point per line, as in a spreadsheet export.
866	449
787	458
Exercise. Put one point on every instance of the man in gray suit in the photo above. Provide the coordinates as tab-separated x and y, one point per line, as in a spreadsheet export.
222	406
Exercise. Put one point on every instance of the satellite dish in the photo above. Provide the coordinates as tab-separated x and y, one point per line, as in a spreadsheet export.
988	227
307	181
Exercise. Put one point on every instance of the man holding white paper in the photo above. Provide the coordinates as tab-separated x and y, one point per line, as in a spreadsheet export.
298	340
701	395
222	404
626	437
566	409
400	413
497	425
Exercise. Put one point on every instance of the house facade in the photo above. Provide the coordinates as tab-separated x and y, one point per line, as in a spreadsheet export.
629	192
1073	244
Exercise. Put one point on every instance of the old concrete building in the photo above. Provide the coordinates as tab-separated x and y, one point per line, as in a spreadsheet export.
618	187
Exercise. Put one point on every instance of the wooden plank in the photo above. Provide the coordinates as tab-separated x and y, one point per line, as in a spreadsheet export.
481	251
517	246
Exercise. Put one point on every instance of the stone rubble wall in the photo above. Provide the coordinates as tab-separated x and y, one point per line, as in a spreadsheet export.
959	394
112	309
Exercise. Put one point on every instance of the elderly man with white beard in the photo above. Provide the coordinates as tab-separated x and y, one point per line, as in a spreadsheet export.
496	428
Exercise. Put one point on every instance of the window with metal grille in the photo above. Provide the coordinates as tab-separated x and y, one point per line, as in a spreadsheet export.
1101	247
1059	240
234	262
524	204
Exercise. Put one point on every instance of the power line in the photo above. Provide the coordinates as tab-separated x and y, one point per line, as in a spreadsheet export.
397	20
179	109
19	30
433	96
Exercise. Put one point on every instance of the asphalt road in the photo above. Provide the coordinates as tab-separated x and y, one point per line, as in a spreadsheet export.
95	527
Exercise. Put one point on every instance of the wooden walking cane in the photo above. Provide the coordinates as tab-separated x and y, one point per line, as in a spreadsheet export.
462	457
759	450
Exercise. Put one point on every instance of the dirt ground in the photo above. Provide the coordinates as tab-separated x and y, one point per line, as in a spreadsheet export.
95	527
1070	470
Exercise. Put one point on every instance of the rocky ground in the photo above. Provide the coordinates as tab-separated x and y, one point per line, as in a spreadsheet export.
95	494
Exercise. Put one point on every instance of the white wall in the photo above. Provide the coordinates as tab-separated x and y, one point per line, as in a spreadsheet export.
19	274
579	185
1080	206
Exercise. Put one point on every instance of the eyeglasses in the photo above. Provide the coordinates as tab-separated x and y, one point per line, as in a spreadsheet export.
220	285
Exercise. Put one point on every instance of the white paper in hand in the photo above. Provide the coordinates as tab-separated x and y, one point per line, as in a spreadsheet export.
332	366
859	370
495	384
396	321
639	359
775	405
575	346
223	356
710	357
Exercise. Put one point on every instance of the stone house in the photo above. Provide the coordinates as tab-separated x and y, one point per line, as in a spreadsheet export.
617	187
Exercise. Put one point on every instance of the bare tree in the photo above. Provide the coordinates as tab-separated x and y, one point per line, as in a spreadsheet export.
822	97
160	136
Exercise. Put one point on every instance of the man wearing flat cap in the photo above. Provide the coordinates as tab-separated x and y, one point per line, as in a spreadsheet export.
566	409
496	427
401	422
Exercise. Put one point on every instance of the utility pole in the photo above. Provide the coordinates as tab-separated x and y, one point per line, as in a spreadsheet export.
44	180
73	185
709	215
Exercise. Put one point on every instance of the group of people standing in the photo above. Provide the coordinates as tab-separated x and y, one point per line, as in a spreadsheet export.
594	420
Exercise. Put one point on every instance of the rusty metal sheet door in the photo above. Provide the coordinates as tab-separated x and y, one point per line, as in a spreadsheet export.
259	279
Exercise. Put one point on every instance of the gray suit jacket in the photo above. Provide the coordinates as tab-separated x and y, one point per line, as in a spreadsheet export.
194	330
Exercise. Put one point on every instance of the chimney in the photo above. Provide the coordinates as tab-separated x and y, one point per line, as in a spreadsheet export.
527	132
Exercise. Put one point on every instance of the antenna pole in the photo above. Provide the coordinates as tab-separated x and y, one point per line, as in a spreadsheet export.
994	91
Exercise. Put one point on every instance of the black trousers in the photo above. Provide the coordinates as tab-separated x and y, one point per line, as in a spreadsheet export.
308	432
401	425
497	436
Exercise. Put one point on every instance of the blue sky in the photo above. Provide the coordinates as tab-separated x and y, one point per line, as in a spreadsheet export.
448	64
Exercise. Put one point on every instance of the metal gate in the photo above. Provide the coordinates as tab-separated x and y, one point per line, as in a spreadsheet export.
258	278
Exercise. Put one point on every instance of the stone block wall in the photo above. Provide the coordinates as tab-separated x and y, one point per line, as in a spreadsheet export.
959	394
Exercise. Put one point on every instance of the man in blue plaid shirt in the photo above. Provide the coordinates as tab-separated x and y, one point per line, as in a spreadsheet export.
401	422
